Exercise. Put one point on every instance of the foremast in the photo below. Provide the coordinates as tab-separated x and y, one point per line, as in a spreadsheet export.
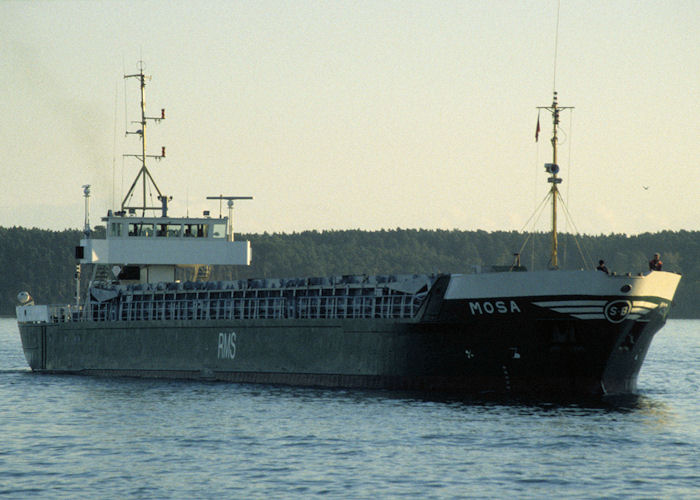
553	170
144	175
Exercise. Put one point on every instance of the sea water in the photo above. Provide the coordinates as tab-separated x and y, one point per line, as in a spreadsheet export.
85	437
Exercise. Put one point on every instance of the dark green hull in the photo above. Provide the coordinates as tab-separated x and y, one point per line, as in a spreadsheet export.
557	358
466	338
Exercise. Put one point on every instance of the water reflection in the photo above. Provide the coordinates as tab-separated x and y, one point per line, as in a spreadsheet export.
164	390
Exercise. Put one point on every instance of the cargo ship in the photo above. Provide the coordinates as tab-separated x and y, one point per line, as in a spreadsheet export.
146	306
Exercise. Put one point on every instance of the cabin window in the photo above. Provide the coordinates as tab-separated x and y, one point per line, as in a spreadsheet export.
218	231
140	229
174	230
196	231
115	229
168	230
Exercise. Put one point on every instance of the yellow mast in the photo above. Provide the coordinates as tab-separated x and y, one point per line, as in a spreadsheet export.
553	169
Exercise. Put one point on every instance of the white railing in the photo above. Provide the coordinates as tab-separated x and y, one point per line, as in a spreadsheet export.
152	308
347	297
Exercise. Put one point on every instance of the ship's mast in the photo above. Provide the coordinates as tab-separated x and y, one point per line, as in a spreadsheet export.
144	175
553	170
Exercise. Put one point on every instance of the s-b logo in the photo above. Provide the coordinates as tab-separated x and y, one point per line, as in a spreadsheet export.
618	310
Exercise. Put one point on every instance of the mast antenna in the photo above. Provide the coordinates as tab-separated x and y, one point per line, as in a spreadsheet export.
556	47
144	174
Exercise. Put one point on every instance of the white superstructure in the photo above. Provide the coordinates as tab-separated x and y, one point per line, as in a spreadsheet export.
143	243
166	241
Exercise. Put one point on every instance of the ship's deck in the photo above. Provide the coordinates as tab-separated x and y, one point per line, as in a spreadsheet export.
346	297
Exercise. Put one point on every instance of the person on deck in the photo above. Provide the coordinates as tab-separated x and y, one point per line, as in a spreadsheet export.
602	266
655	264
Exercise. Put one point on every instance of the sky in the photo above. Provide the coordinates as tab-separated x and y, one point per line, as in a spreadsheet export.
356	114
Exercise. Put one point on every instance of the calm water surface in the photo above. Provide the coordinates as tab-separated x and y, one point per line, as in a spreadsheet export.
82	437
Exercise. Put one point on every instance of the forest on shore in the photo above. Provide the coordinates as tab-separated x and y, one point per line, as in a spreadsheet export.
42	261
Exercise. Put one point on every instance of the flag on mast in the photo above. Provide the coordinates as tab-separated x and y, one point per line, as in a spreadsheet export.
537	130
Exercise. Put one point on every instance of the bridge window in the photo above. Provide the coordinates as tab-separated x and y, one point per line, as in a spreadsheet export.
140	229
115	229
174	230
218	230
196	231
169	230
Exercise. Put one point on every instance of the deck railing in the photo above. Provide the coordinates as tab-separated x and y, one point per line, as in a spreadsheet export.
347	297
153	308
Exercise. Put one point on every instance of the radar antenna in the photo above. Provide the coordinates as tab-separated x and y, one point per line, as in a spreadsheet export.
230	199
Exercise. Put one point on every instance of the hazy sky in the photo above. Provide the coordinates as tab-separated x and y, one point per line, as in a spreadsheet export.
344	115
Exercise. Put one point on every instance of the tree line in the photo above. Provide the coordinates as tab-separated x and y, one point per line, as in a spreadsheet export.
42	261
